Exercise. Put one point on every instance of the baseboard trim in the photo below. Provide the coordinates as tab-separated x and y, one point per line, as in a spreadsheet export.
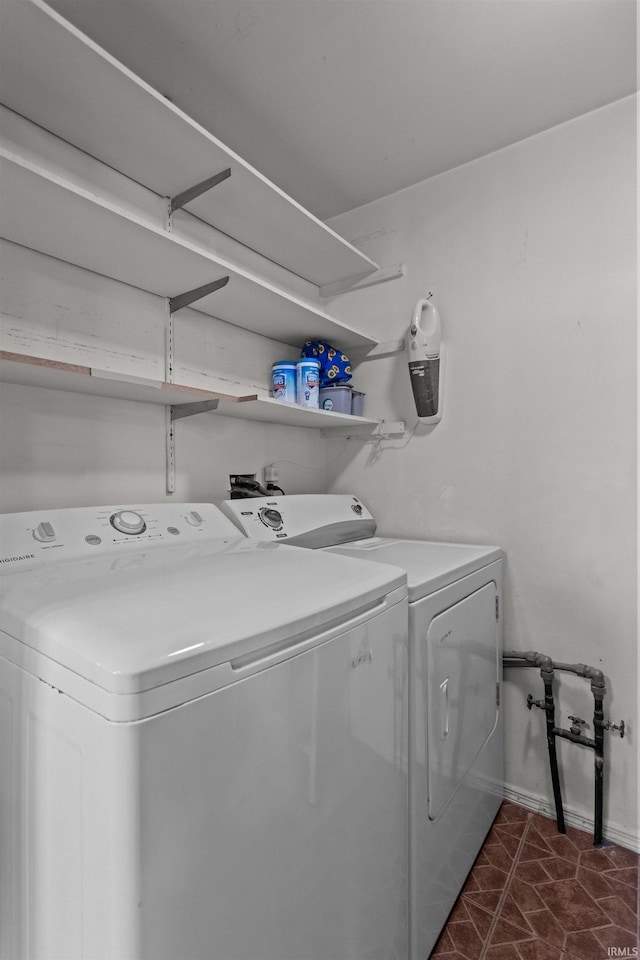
622	837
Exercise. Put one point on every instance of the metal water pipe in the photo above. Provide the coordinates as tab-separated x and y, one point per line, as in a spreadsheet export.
547	667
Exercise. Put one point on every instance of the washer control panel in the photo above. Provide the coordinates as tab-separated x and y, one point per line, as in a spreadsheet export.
306	520
129	522
271	518
52	535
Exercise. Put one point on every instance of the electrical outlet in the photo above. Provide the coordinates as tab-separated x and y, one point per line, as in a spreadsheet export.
270	474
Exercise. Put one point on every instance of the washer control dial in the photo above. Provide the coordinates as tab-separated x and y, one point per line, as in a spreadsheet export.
271	518
127	521
44	532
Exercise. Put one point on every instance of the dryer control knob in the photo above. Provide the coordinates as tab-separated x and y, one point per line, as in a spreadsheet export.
271	518
127	521
194	518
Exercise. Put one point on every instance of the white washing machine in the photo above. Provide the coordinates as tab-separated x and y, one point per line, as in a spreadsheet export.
455	673
201	742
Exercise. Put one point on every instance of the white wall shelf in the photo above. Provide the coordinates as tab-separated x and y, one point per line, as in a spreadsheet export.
75	378
45	212
269	410
54	75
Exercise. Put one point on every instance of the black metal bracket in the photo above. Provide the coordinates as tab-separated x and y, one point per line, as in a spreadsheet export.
184	299
181	410
180	199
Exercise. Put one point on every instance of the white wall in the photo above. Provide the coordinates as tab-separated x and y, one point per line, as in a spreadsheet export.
62	449
530	254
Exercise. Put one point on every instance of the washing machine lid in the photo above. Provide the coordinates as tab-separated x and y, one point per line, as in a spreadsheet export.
132	623
430	565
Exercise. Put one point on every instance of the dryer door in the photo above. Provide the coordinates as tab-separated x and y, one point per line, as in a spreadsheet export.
463	670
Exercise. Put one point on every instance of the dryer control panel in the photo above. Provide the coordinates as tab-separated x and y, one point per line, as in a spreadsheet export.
46	536
305	520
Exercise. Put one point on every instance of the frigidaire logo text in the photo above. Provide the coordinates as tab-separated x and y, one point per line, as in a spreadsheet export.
27	556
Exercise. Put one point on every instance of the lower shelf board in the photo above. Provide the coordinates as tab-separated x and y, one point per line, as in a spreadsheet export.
75	378
269	410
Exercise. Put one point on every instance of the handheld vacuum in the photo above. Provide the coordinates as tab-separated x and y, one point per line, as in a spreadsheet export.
425	367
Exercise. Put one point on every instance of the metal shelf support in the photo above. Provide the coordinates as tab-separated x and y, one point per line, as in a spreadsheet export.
346	286
184	299
181	199
177	412
181	410
385	428
386	349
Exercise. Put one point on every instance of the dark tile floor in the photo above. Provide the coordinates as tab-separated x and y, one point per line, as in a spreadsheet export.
535	894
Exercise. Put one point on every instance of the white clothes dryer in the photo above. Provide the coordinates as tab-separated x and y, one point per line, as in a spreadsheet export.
201	741
455	673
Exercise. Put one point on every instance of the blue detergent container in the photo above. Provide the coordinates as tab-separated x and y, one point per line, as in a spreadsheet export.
283	381
308	376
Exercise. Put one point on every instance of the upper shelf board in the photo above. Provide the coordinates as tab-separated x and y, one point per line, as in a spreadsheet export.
47	213
57	77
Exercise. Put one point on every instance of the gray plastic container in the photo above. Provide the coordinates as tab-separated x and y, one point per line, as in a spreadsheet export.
357	403
336	398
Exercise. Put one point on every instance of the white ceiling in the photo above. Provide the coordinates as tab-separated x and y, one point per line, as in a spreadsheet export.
340	102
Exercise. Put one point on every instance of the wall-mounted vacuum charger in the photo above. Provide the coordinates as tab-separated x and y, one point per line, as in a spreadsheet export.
426	368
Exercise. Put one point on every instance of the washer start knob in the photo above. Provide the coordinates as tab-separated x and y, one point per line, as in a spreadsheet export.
271	518
127	521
